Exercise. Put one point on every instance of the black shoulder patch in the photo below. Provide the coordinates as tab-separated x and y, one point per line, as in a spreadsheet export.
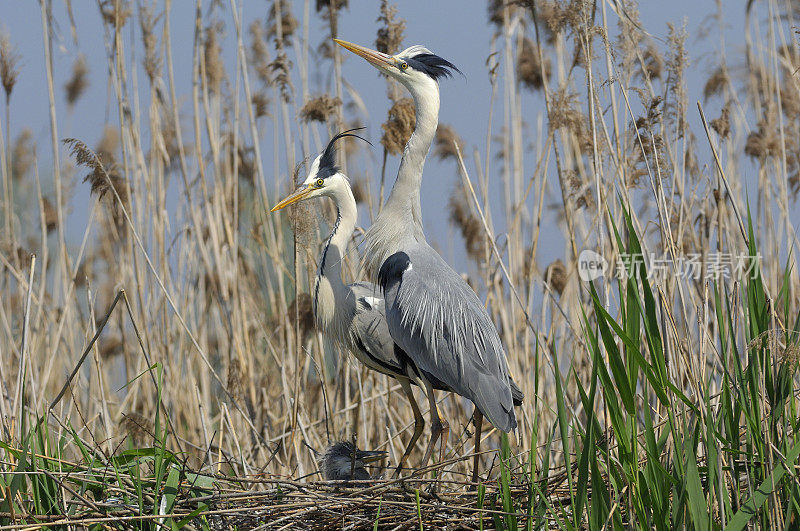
433	65
393	268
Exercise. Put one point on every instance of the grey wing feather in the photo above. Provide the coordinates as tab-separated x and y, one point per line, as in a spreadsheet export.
436	318
370	328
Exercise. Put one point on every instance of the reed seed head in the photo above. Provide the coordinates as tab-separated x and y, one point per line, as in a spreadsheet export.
110	347
50	215
398	127
717	82
260	103
580	192
280	70
101	179
259	52
245	162
722	125
495	9
359	189
391	30
790	98
529	66
9	65
331	4
554	16
22	154
763	143
212	54
446	137
653	62
115	13
556	276
79	80
564	113
320	109
469	225
288	22
790	356
303	216
152	59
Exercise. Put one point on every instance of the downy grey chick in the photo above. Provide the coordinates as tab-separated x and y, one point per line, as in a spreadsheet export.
343	461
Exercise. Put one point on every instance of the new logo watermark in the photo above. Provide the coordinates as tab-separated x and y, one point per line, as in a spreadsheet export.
591	265
691	266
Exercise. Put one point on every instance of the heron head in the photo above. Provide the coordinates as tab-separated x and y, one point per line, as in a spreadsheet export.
343	461
415	66
325	177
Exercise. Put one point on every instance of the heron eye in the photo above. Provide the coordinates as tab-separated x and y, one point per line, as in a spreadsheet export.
403	66
320	183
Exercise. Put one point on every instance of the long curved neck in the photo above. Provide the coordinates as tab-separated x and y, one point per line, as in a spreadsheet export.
400	221
330	292
405	196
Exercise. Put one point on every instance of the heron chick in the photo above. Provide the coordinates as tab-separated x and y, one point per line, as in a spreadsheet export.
342	461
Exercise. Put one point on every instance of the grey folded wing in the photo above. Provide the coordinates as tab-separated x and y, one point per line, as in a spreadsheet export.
442	326
371	331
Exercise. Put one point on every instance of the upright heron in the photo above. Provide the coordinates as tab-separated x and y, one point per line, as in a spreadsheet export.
443	330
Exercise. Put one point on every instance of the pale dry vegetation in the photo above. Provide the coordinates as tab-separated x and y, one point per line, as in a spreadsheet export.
179	318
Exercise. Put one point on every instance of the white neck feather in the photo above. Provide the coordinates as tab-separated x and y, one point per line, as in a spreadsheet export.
333	300
401	217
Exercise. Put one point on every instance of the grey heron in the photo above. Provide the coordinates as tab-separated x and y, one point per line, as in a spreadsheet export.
352	315
342	461
442	329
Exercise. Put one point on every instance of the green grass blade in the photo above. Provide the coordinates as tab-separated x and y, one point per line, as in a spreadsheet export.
767	487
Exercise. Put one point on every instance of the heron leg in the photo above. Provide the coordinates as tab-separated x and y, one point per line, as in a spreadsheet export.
419	424
477	419
439	426
445	434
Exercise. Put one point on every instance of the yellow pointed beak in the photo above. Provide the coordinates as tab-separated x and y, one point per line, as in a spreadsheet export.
373	57
294	197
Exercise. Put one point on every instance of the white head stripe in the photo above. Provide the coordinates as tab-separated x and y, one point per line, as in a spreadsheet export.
415	50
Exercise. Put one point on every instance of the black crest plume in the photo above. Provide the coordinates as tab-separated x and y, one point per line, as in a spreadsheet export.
327	162
433	65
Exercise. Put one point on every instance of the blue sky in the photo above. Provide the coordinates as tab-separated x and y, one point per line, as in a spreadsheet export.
454	29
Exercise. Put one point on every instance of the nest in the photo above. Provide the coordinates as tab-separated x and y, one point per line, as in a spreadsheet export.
226	502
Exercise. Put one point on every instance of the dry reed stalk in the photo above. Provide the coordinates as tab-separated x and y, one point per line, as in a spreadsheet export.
9	71
63	271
